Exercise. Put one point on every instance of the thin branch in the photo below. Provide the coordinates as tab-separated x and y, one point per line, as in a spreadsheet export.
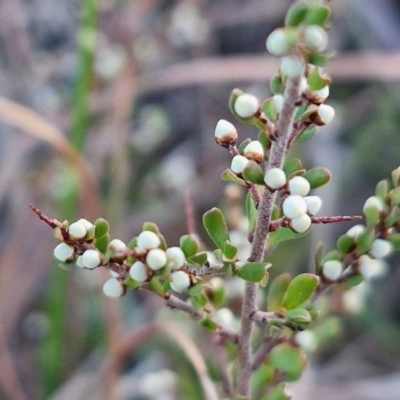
277	157
268	344
205	269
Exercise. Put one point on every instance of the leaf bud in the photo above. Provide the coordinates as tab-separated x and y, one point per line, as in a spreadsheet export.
275	178
114	288
63	252
156	259
225	134
180	281
246	105
294	206
254	151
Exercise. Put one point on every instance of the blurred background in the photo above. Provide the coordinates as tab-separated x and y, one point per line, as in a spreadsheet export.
108	108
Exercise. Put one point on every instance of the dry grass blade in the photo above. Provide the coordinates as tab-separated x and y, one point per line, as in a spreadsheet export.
35	125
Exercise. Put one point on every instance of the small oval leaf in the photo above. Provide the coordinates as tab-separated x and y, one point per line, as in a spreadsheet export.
318	177
276	292
300	289
215	225
252	271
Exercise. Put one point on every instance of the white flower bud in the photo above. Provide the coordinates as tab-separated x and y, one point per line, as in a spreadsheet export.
118	247
91	259
254	151
326	113
301	224
292	66
299	185
180	281
278	43
307	340
303	85
239	164
314	204
279	100
138	272
315	38
381	248
323	93
275	178
86	223
114	288
225	133
355	231
246	105
294	206
148	240
371	268
226	318
374	202
156	259
77	230
332	269
79	262
63	252
354	299
176	257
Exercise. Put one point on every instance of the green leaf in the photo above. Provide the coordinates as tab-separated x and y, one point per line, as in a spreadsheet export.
328	330
395	196
281	235
382	189
354	280
371	216
263	139
307	134
209	324
276	292
393	217
317	59
229	250
156	285
318	177
91	233
288	359
101	243
364	241
268	107
215	225
196	289
198	258
277	393
253	173
101	227
189	245
318	256
276	213
395	240
396	177
132	244
316	81
242	145
262	377
317	15
251	212
199	301
230	176
300	289
346	244
296	14
252	271
298	316
264	280
131	283
151	227
276	85
292	166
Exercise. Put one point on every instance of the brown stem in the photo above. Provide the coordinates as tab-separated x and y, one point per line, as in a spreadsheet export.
277	157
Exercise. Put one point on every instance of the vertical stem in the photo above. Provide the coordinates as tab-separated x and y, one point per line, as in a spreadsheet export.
277	158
